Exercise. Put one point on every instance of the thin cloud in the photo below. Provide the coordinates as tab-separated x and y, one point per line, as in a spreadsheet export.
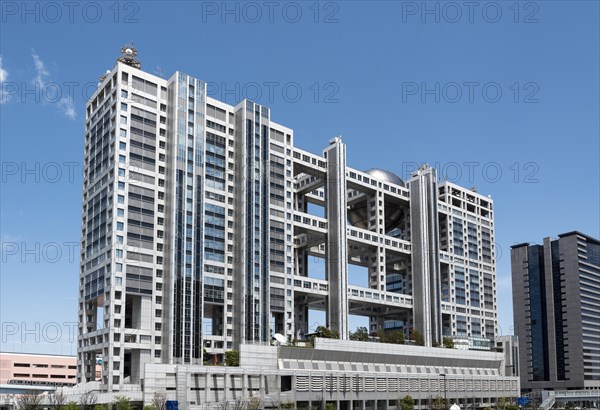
66	105
4	96
40	70
3	72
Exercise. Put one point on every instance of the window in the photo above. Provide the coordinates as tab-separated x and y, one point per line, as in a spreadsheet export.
123	107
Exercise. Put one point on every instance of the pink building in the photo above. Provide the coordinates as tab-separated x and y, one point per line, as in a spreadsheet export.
38	369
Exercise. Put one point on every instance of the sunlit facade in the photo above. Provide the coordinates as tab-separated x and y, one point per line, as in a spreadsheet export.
202	223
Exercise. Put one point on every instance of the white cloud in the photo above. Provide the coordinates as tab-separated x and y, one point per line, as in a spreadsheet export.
4	97
40	70
67	107
42	75
3	72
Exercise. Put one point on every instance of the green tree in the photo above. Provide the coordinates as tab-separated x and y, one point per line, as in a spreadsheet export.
122	403
448	343
232	358
439	403
327	333
206	358
418	338
361	334
330	406
393	336
407	403
99	407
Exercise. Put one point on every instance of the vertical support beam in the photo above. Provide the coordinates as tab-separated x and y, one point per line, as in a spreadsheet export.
425	255
336	248
251	287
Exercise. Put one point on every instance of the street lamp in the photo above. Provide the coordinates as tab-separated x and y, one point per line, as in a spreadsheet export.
445	390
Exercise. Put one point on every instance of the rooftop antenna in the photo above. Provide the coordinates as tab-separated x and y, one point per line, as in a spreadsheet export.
128	54
103	76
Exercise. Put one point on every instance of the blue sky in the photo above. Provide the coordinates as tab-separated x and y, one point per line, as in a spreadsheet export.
503	96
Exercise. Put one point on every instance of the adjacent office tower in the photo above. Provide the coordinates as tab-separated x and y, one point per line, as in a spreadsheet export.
556	300
205	227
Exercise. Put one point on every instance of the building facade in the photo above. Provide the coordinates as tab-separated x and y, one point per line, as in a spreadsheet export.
27	369
346	374
556	300
202	221
509	346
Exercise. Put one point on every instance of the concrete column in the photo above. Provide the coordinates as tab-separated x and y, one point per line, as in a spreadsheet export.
425	255
336	249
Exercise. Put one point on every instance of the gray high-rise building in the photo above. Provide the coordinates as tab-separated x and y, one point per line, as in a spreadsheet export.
556	301
202	223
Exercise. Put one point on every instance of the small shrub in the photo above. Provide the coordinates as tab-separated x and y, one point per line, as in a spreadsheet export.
72	405
232	358
122	403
